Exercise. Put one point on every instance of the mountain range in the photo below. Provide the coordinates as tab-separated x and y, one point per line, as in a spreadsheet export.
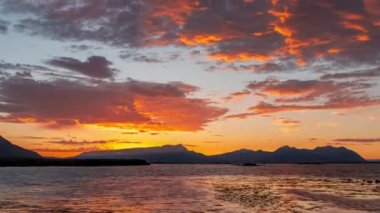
180	154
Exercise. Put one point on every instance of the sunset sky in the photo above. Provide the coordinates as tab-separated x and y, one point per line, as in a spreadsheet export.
216	76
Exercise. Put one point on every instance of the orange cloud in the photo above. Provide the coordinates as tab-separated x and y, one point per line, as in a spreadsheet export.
237	95
178	11
281	15
334	50
362	37
312	94
242	31
130	104
240	56
200	39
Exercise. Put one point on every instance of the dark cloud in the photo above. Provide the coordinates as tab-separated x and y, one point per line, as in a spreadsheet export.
334	101
149	57
138	57
31	137
266	32
82	47
269	67
94	66
257	36
3	26
74	150
79	143
339	103
212	142
306	90
370	73
22	67
128	142
289	121
130	104
85	143
130	133
122	23
140	132
191	145
358	140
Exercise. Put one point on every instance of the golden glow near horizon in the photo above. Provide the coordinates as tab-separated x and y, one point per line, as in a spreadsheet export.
215	76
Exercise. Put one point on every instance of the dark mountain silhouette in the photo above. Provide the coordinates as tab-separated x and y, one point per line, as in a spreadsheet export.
11	151
179	154
163	154
12	155
286	154
241	156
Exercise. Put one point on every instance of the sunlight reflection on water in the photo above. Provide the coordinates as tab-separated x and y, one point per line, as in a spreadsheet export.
191	188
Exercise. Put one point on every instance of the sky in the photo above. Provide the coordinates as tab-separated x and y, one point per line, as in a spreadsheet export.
213	75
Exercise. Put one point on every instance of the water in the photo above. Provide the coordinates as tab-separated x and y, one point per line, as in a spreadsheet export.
192	188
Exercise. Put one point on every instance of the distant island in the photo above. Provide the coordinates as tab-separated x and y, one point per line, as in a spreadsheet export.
12	155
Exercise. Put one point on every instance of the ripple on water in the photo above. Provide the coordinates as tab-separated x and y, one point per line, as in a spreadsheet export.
191	188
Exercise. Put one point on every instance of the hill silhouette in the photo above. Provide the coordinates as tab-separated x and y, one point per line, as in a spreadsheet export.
163	154
179	154
11	151
13	155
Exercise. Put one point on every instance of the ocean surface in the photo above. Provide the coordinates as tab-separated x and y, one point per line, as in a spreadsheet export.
192	188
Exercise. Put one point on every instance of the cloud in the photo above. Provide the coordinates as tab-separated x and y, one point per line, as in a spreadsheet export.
212	142
254	36
264	32
75	150
31	137
3	26
149	57
304	90
139	57
191	145
128	142
238	95
79	143
270	67
358	140
121	23
264	108
94	142
22	67
303	95
95	66
287	125
130	104
81	47
371	73
185	88
130	133
308	90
